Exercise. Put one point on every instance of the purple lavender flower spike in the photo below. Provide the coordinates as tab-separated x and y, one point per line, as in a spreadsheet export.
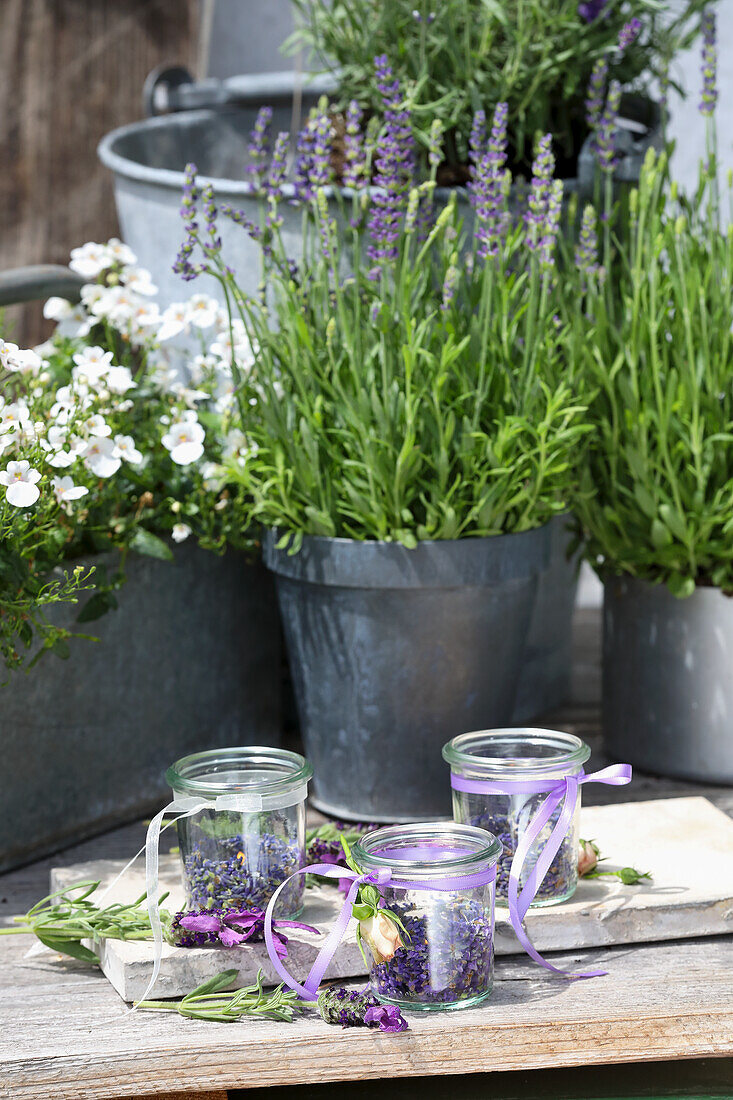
606	133
394	169
596	93
355	154
449	287
539	192
191	194
258	147
435	145
586	251
386	1017
628	35
591	9
230	928
477	138
486	188
359	1009
320	166
552	224
278	166
709	64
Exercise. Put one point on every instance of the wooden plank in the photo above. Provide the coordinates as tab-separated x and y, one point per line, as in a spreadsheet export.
63	1028
70	70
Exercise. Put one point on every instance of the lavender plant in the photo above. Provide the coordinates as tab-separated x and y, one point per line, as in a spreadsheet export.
457	56
407	381
655	339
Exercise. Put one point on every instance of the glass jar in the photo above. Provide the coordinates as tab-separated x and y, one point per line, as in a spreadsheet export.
442	890
248	835
527	758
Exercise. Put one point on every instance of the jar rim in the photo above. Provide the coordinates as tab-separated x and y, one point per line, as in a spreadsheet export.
479	752
196	773
482	849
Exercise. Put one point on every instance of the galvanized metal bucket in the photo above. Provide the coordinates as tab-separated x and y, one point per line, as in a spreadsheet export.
190	660
668	679
393	651
544	680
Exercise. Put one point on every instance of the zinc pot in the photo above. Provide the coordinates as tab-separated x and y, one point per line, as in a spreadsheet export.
544	681
394	651
668	679
190	660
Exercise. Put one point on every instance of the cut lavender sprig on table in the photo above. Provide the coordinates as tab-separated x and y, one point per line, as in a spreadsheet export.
230	928
351	1008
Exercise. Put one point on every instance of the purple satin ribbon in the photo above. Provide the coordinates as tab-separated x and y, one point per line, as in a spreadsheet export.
563	791
309	989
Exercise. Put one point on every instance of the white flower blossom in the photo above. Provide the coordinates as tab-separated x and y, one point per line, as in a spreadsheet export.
91	259
91	293
180	532
7	351
61	460
184	440
213	476
14	417
236	446
65	491
24	361
70	320
127	450
119	380
92	365
101	457
140	280
202	310
21	481
96	425
121	253
173	321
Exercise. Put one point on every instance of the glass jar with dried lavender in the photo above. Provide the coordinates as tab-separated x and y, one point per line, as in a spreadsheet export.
436	950
245	832
523	783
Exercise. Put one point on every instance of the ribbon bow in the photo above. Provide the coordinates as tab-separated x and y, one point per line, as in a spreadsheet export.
309	989
565	792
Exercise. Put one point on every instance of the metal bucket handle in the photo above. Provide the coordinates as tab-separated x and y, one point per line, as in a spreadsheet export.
39	281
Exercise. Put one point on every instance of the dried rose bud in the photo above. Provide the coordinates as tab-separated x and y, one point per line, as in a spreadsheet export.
381	936
587	857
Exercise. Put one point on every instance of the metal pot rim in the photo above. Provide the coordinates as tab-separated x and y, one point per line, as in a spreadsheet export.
437	563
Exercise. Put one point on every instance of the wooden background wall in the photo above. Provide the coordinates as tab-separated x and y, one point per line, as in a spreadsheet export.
70	70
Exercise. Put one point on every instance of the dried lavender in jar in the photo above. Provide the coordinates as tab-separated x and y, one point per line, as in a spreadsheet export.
448	957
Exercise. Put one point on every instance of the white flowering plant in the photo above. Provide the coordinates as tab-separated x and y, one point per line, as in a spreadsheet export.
112	438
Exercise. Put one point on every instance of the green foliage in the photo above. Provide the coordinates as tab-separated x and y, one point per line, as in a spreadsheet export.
453	57
656	488
424	399
209	1001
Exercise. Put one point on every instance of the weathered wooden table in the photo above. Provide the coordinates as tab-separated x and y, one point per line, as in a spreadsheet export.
64	1032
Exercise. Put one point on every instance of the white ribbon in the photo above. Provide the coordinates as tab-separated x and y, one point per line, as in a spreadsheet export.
239	802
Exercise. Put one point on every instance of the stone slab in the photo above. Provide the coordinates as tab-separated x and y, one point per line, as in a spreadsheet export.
687	843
